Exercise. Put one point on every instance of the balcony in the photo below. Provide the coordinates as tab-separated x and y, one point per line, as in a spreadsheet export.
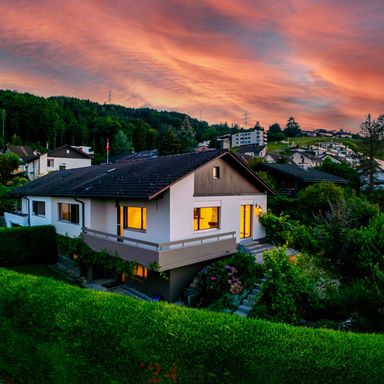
15	219
169	255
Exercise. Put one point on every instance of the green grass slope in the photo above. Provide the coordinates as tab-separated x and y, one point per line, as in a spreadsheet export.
51	332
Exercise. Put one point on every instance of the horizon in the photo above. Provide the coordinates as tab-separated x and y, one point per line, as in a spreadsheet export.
320	62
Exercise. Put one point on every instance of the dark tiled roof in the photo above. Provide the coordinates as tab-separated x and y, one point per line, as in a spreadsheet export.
305	175
23	151
73	153
251	148
124	156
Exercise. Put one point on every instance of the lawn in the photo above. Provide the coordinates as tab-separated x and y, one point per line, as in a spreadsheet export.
354	144
43	270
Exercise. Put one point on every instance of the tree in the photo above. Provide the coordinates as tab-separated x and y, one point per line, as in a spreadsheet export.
275	133
373	132
169	144
120	143
258	126
186	136
8	163
292	129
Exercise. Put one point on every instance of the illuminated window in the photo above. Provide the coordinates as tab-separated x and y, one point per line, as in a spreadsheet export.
205	218
69	212
38	208
245	221
140	271
216	172
135	218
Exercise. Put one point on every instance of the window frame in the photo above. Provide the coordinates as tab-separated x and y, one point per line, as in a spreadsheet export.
50	163
73	213
198	209
143	224
216	172
35	210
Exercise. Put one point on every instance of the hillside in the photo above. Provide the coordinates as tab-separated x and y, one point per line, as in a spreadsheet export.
52	332
66	120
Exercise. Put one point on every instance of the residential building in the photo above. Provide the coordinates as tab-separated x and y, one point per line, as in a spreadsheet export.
251	136
291	178
177	212
305	159
64	157
253	150
26	155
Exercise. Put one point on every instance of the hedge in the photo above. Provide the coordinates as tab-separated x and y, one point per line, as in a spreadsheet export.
51	332
28	245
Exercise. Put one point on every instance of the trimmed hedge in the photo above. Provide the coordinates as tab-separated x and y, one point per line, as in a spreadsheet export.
51	332
28	245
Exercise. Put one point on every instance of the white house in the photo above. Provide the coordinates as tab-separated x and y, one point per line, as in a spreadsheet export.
64	157
305	159
178	212
251	136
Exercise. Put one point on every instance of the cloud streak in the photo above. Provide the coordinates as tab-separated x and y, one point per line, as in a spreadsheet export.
319	61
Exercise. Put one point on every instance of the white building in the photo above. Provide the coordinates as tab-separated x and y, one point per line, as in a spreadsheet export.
251	136
64	157
179	212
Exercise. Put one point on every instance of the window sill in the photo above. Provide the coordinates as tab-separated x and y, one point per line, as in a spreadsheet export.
135	230
38	216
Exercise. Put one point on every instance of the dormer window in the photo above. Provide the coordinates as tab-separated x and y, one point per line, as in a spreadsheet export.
216	172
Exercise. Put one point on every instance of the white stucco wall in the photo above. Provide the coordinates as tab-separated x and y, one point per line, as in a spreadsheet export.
183	202
69	163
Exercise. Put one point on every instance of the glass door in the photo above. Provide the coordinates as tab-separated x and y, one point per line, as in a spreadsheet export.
245	221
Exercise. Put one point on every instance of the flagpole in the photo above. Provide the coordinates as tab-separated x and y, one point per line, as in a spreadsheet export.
107	148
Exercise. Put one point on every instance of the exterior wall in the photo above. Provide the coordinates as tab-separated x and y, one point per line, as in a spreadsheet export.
41	220
231	182
68	162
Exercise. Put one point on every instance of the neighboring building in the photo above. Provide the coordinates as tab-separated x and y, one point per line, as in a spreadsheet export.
26	155
251	136
128	156
225	141
253	150
291	178
58	159
85	149
305	159
179	212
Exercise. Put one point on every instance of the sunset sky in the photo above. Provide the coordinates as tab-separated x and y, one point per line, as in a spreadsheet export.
320	61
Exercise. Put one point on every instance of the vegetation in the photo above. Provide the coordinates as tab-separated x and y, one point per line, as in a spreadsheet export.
24	245
53	332
63	120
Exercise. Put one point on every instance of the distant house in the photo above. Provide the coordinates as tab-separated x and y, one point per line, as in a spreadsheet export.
253	150
26	155
305	159
249	136
58	159
291	178
178	212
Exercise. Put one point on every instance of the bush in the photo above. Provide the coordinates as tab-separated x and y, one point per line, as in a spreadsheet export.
28	245
288	293
51	332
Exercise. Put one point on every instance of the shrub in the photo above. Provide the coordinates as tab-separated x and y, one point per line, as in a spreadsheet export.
51	332
288	293
28	245
278	228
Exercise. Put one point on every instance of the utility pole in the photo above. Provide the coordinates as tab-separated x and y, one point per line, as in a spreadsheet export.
245	119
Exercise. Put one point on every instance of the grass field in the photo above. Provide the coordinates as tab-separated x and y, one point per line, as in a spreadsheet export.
43	270
354	144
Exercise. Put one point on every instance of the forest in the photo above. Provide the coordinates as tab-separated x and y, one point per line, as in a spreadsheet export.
50	122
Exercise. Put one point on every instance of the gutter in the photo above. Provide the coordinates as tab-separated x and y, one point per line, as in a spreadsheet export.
29	209
82	212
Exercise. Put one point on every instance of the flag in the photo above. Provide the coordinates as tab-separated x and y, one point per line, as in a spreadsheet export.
107	146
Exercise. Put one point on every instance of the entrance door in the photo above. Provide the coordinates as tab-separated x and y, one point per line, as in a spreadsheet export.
245	221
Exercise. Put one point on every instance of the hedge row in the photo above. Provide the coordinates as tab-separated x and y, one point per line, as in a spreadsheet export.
51	332
28	245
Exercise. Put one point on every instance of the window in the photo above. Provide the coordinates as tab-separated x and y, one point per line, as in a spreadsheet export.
62	167
205	218
38	208
140	271
135	218
50	163
69	212
216	172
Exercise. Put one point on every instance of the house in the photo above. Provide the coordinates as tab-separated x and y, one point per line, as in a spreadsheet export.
26	155
305	159
178	212
253	150
291	178
64	157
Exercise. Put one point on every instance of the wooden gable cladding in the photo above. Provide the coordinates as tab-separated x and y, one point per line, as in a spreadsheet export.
232	180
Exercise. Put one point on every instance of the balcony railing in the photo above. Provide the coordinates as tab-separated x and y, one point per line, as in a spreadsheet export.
167	254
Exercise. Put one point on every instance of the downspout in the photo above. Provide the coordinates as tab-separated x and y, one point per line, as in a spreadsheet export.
28	205
82	213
